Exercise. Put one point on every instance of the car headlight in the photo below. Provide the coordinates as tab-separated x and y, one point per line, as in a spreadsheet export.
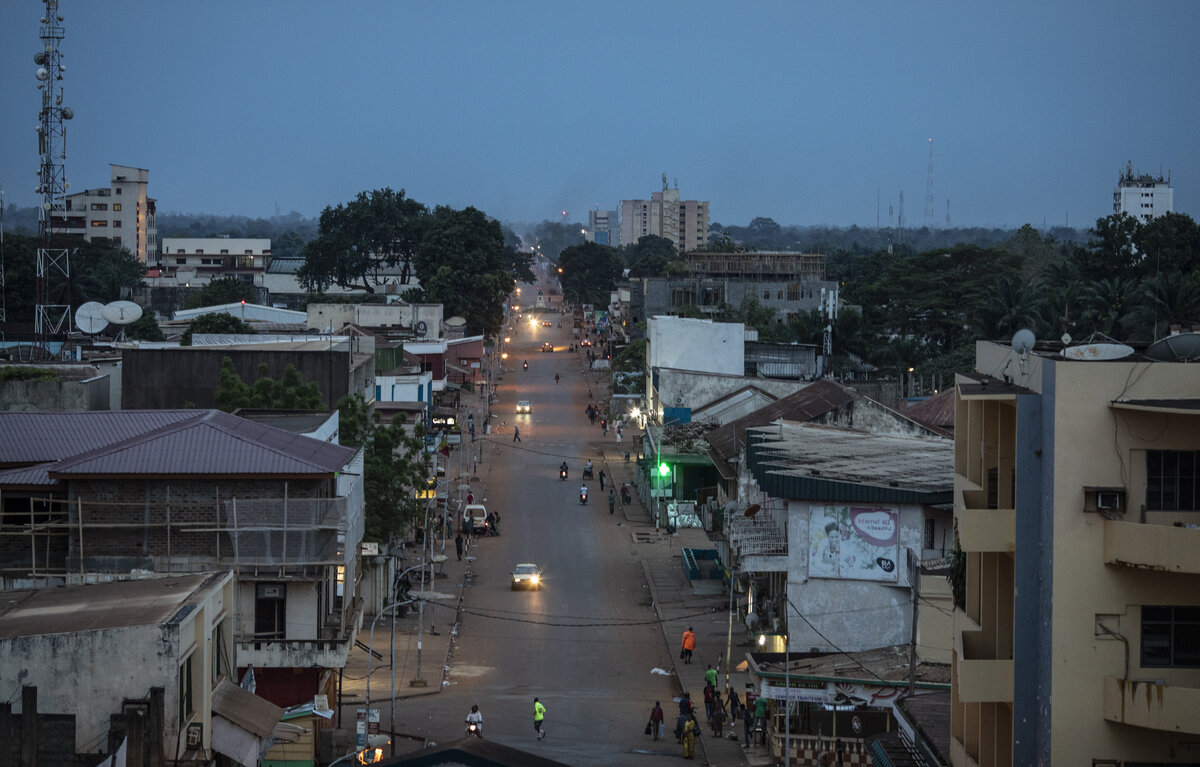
535	578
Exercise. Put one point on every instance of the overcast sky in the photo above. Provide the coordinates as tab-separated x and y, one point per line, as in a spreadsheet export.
803	112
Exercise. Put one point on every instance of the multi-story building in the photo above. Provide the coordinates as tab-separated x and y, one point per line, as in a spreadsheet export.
684	223
603	227
1076	633
1142	195
196	261
120	213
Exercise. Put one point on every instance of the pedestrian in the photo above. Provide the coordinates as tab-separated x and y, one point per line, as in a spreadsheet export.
734	704
689	738
760	713
612	501
618	435
539	713
604	426
625	494
746	725
470	498
470	529
656	720
458	544
717	720
689	645
516	434
710	676
708	700
602	480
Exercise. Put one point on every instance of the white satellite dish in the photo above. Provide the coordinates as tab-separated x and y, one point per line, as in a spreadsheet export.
89	317
122	312
1023	340
1181	347
1097	352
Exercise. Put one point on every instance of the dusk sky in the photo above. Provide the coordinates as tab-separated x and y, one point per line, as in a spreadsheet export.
797	111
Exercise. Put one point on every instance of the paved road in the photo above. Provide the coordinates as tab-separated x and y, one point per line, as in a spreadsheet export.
587	642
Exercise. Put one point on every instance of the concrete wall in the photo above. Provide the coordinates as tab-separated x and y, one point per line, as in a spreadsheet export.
397	315
45	396
697	389
171	378
657	291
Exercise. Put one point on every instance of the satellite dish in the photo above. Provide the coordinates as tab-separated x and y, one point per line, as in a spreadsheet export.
421	329
752	509
1097	352
1182	347
1023	340
89	317
122	312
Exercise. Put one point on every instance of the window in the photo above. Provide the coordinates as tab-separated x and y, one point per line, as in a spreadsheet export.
99	206
269	614
180	261
99	223
117	206
1172	480
119	190
186	706
117	223
224	251
1170	637
928	538
180	250
766	295
220	660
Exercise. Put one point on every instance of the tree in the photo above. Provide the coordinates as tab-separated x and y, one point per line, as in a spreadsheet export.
376	230
145	329
652	256
463	263
215	323
101	271
632	358
1111	253
394	466
589	272
553	237
226	290
290	393
1169	243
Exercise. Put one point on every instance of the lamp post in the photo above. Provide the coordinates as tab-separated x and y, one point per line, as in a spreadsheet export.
371	650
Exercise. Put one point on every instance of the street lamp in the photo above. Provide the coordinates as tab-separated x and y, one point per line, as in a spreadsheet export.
371	651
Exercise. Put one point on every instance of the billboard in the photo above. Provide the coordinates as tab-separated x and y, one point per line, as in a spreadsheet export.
854	542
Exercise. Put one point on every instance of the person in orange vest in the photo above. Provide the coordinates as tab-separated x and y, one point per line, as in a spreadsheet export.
689	644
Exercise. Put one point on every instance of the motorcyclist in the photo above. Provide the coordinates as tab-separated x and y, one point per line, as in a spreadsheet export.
476	718
526	364
556	379
587	469
583	493
562	470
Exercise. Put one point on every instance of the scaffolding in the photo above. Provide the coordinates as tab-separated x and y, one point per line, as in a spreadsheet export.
779	267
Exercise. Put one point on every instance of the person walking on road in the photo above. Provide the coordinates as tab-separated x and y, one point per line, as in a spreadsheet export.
689	738
710	675
556	379
458	544
734	704
539	713
516	434
708	700
656	720
746	717
612	501
717	719
689	645
602	478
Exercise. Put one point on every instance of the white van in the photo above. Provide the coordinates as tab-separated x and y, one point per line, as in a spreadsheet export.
476	512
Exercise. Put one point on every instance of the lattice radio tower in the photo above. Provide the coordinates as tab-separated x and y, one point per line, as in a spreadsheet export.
52	307
930	215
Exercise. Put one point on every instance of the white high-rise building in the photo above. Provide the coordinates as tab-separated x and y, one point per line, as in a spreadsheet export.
602	227
120	213
684	223
1142	195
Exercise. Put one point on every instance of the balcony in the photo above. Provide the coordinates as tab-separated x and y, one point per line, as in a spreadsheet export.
299	653
981	679
1152	704
1164	548
980	528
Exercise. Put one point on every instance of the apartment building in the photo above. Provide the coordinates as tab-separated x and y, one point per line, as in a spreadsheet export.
196	261
1076	633
684	223
120	213
603	227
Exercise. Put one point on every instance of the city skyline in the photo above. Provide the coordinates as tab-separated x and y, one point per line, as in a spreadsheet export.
809	116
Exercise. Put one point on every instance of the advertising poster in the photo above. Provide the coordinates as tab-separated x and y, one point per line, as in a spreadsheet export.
854	542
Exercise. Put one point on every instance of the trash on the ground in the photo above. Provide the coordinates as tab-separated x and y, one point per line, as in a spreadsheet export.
659	671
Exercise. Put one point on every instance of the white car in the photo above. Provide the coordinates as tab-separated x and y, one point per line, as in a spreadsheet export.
523	406
526	575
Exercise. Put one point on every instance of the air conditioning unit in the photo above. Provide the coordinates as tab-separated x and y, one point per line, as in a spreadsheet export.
195	735
679	400
1104	500
1110	499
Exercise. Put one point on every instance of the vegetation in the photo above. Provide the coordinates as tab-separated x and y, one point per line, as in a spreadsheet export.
227	290
215	323
394	466
589	272
23	373
145	329
291	393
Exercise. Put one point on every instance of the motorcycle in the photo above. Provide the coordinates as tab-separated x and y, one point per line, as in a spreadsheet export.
562	474
473	729
583	494
526	366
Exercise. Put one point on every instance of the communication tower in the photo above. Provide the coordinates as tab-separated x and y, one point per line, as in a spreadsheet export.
929	213
52	308
3	288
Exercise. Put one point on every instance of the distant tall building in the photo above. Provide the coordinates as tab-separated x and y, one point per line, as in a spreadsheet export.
664	215
1142	195
603	227
120	213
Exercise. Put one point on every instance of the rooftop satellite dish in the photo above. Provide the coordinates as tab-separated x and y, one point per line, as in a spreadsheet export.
89	317
1182	347
1097	352
122	312
421	329
1023	341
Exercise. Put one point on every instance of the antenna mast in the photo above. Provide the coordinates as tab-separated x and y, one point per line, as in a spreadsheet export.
52	317
929	214
3	288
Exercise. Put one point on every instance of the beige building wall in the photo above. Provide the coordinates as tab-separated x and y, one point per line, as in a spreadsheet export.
1101	568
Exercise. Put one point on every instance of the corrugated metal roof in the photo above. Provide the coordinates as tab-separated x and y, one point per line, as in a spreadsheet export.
29	476
29	438
936	412
813	400
184	442
215	444
257	716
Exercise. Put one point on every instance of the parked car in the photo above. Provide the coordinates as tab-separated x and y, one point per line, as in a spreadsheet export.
478	513
526	575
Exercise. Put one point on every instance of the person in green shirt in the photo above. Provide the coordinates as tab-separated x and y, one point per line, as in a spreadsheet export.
539	713
710	675
760	712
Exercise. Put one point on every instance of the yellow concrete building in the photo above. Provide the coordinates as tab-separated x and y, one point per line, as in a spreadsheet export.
1077	508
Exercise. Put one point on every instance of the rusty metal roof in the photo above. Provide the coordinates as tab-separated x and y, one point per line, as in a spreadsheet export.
205	442
936	412
813	400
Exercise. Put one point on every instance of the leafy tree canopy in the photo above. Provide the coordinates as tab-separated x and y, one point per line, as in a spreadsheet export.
101	271
589	272
215	323
290	393
227	290
652	256
145	329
